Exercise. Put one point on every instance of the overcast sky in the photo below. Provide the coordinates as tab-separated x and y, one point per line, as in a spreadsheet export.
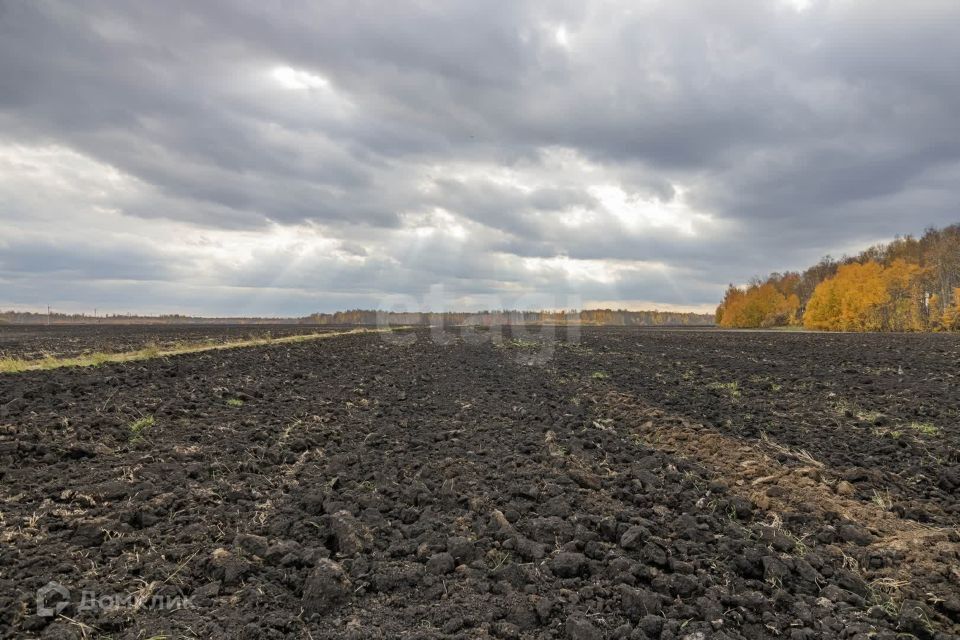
279	158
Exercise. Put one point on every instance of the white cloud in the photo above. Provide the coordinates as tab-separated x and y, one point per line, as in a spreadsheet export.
636	212
290	78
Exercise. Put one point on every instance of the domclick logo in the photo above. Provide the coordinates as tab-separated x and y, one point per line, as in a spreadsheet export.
53	598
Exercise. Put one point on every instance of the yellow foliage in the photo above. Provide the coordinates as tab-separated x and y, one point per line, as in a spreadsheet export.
869	297
951	313
909	284
935	313
760	305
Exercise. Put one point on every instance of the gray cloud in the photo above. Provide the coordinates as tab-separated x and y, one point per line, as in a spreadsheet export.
312	155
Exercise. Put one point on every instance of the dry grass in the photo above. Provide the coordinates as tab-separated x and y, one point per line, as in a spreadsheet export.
798	454
17	365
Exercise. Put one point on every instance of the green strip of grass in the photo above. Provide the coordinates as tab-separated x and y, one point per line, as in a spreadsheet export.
17	365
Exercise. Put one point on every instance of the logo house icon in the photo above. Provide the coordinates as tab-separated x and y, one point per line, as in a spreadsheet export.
52	598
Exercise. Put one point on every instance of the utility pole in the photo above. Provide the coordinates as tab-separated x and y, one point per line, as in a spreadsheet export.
48	315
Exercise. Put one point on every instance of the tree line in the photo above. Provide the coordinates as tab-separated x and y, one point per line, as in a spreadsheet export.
33	318
910	284
612	317
371	317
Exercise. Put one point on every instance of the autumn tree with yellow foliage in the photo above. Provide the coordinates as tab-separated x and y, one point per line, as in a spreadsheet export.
869	297
909	284
760	305
946	317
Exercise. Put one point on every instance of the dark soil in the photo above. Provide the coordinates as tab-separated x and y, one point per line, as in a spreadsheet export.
373	486
31	342
883	411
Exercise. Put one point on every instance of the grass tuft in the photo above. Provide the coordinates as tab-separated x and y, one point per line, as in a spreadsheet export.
925	428
140	426
730	388
517	343
883	500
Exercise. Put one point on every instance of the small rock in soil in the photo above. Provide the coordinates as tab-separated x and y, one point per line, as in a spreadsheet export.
854	533
633	537
844	488
578	628
349	533
227	567
568	565
440	563
326	587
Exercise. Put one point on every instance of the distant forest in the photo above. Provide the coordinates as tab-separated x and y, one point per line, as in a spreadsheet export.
620	318
29	317
910	284
362	317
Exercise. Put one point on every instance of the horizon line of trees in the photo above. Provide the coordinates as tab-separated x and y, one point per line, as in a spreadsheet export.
909	284
618	317
611	317
32	317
